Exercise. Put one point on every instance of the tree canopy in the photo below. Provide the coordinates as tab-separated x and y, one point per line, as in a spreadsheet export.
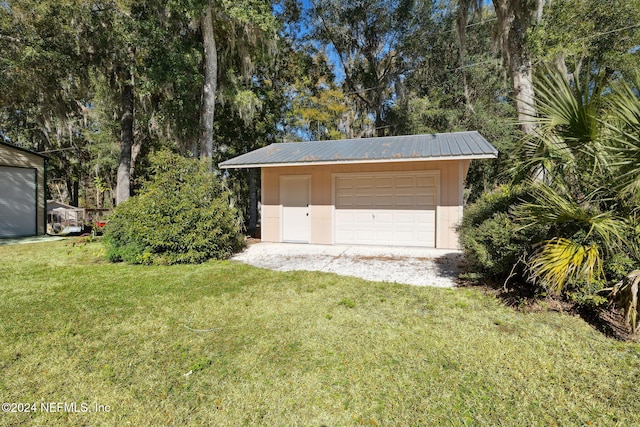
99	85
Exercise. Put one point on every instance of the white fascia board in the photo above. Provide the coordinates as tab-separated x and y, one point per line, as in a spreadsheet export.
345	162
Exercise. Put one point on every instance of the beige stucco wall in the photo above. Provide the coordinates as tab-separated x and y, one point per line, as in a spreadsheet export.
14	157
448	213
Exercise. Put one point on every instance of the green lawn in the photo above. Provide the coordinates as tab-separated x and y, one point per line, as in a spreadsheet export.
288	349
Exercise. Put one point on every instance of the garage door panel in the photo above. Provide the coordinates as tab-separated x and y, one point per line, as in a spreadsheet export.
364	236
344	183
426	200
345	201
384	201
363	217
405	236
405	181
426	217
365	182
364	201
383	182
344	215
386	209
17	201
405	218
427	237
382	235
405	201
345	235
383	218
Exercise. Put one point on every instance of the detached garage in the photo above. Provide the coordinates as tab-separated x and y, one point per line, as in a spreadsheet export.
396	191
22	192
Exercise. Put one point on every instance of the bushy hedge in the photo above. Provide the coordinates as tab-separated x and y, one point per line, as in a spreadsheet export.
181	215
492	240
495	241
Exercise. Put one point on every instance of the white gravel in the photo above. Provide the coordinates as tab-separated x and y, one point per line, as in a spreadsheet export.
412	266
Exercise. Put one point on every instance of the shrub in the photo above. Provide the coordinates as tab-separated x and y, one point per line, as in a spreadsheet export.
492	240
181	215
618	265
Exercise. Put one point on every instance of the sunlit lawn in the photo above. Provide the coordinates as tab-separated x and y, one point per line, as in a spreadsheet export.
226	344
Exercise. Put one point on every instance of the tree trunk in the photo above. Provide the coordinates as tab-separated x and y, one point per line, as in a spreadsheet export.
73	188
378	124
522	81
136	148
461	21
209	88
123	185
253	202
514	18
99	195
75	201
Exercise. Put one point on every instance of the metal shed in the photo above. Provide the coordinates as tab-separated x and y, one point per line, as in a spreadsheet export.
22	192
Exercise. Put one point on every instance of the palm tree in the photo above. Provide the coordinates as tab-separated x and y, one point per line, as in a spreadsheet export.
586	148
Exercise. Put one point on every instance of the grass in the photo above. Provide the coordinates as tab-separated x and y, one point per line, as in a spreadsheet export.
223	343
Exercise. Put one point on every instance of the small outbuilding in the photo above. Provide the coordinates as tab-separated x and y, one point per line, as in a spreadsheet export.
22	192
64	219
396	191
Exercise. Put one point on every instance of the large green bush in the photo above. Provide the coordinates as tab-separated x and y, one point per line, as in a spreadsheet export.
181	215
498	241
490	236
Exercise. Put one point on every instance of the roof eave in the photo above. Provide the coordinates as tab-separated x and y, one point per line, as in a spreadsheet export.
15	147
344	162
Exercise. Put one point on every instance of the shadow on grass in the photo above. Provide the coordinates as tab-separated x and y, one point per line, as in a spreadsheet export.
609	321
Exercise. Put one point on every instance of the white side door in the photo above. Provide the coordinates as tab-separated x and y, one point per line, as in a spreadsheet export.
295	195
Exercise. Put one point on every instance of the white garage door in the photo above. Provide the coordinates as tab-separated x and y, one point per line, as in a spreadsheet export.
386	209
17	201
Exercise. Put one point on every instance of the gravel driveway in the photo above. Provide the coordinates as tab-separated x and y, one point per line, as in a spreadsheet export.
412	266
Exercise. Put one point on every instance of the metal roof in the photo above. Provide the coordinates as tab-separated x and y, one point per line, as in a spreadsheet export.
439	146
20	148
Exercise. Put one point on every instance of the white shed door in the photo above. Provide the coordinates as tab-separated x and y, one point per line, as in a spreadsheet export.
386	209
18	207
295	197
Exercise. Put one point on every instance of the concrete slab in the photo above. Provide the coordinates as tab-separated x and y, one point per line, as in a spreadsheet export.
413	266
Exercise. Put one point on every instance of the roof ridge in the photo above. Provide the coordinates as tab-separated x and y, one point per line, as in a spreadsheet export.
440	146
373	138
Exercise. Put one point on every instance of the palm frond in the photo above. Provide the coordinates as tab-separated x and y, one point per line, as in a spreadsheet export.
625	101
624	129
625	296
541	156
560	261
571	114
550	207
570	111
